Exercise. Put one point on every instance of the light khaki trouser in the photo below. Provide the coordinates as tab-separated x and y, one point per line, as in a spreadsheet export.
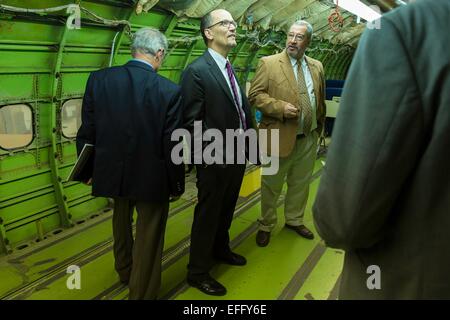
295	169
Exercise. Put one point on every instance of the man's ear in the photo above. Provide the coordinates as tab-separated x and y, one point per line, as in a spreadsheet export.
160	55
209	34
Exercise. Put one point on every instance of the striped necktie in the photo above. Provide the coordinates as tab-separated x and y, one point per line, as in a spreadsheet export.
305	102
235	94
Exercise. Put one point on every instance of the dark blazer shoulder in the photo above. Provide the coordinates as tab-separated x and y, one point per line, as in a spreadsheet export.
167	87
110	72
167	83
199	64
107	70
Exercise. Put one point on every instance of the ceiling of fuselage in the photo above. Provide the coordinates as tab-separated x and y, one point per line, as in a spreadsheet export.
105	27
274	15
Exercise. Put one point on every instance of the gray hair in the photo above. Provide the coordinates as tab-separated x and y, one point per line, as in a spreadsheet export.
149	41
309	28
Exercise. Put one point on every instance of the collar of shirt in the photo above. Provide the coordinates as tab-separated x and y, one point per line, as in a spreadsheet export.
294	61
143	61
218	58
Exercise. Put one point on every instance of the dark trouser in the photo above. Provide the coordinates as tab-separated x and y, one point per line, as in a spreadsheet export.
139	263
218	191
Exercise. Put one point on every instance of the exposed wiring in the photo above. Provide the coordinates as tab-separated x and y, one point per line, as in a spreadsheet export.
335	52
107	22
335	20
28	10
112	49
253	37
70	9
175	42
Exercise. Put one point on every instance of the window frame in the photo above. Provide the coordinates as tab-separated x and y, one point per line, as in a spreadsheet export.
61	117
33	125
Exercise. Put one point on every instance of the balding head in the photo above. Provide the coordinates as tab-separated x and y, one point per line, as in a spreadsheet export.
211	19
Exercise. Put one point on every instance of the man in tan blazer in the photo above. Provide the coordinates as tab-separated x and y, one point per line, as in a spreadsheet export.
288	88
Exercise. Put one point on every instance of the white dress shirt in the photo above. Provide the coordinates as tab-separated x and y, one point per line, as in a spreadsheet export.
143	61
221	63
310	88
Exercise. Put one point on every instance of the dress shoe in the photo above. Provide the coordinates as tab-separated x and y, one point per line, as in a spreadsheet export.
302	231
262	238
208	285
233	259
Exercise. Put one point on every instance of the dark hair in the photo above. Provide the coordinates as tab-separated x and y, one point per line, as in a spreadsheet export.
205	23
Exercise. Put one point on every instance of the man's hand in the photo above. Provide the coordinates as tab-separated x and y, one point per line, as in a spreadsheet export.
89	183
290	111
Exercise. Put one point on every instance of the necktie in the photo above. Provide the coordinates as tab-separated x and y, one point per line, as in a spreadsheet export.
305	102
235	94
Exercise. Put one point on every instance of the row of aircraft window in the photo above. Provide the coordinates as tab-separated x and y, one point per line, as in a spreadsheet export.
16	123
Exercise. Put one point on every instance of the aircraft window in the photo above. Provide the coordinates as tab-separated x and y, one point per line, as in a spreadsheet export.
16	126
71	117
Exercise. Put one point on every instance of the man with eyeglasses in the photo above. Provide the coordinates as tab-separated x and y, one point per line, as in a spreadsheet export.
129	113
288	89
212	95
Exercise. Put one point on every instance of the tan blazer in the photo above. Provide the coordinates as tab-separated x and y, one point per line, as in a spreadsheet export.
273	86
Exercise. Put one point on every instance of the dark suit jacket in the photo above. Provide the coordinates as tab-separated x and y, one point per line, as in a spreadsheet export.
129	113
384	196
207	98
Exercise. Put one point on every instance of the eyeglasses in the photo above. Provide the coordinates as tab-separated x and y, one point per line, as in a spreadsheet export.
298	37
224	23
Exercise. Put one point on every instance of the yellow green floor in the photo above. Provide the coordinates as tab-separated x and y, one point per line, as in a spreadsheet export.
290	267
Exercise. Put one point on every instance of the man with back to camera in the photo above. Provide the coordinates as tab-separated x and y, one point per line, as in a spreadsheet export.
384	196
289	90
129	113
212	95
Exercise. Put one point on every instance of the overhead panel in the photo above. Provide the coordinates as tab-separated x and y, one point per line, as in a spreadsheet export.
296	9
237	8
195	8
